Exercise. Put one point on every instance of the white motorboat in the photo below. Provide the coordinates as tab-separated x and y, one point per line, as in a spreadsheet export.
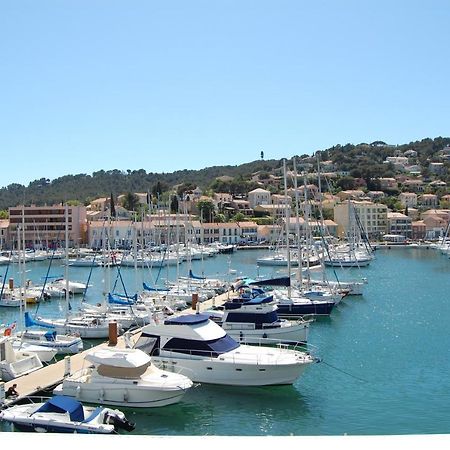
61	414
255	321
196	346
124	377
14	363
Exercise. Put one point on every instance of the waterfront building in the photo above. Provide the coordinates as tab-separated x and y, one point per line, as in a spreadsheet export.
372	217
225	233
399	224
419	230
45	225
4	226
270	233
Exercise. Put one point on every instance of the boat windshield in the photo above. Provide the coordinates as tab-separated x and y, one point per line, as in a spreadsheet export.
212	348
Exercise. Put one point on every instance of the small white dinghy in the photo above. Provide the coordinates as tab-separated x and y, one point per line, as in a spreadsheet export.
61	414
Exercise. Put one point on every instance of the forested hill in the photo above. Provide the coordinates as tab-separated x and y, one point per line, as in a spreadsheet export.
84	188
361	160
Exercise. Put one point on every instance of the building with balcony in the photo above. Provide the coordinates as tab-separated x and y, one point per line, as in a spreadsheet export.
399	224
45	226
370	218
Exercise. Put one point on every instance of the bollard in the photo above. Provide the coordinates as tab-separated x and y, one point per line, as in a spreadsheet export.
67	366
194	301
112	333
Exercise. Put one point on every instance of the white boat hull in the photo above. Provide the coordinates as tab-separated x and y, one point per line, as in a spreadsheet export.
232	370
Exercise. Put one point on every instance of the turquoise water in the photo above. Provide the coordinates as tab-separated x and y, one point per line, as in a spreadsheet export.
385	357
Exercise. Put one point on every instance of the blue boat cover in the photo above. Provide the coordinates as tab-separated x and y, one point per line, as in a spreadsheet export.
50	336
120	301
29	322
62	404
260	299
151	289
188	319
191	275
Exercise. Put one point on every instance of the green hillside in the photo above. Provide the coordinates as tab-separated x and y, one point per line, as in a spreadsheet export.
363	161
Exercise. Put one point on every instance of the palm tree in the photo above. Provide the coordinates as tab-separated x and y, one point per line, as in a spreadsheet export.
131	202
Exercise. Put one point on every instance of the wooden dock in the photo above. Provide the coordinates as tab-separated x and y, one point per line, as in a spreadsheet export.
53	374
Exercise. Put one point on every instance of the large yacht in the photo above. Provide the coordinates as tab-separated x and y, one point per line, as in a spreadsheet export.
194	345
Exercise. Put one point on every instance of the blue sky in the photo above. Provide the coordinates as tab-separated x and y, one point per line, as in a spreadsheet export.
170	85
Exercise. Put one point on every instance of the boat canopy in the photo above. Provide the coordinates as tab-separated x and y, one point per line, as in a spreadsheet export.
125	358
260	299
188	319
62	404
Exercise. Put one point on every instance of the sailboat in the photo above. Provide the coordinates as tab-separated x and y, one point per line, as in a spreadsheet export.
83	325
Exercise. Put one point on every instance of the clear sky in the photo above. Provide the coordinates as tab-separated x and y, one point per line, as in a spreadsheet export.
168	85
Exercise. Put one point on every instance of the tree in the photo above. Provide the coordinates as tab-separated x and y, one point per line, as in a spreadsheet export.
206	210
174	204
239	217
112	207
346	183
131	202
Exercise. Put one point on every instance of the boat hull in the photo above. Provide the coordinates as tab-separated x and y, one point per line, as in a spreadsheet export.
128	396
233	373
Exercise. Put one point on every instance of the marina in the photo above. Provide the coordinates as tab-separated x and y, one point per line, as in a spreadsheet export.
382	355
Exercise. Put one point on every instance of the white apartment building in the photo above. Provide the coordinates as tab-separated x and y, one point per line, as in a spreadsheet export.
371	216
124	233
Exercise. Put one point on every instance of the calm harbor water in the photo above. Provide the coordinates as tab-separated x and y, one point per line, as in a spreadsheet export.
385	355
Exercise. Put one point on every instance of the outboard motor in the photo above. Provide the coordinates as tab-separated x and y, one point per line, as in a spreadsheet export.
120	423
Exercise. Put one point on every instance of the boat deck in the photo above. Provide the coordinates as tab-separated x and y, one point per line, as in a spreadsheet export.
53	374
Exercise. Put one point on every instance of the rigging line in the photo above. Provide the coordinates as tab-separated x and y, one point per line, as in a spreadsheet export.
48	273
343	371
92	267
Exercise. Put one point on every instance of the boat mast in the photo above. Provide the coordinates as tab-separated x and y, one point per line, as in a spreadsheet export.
287	218
297	222
66	269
